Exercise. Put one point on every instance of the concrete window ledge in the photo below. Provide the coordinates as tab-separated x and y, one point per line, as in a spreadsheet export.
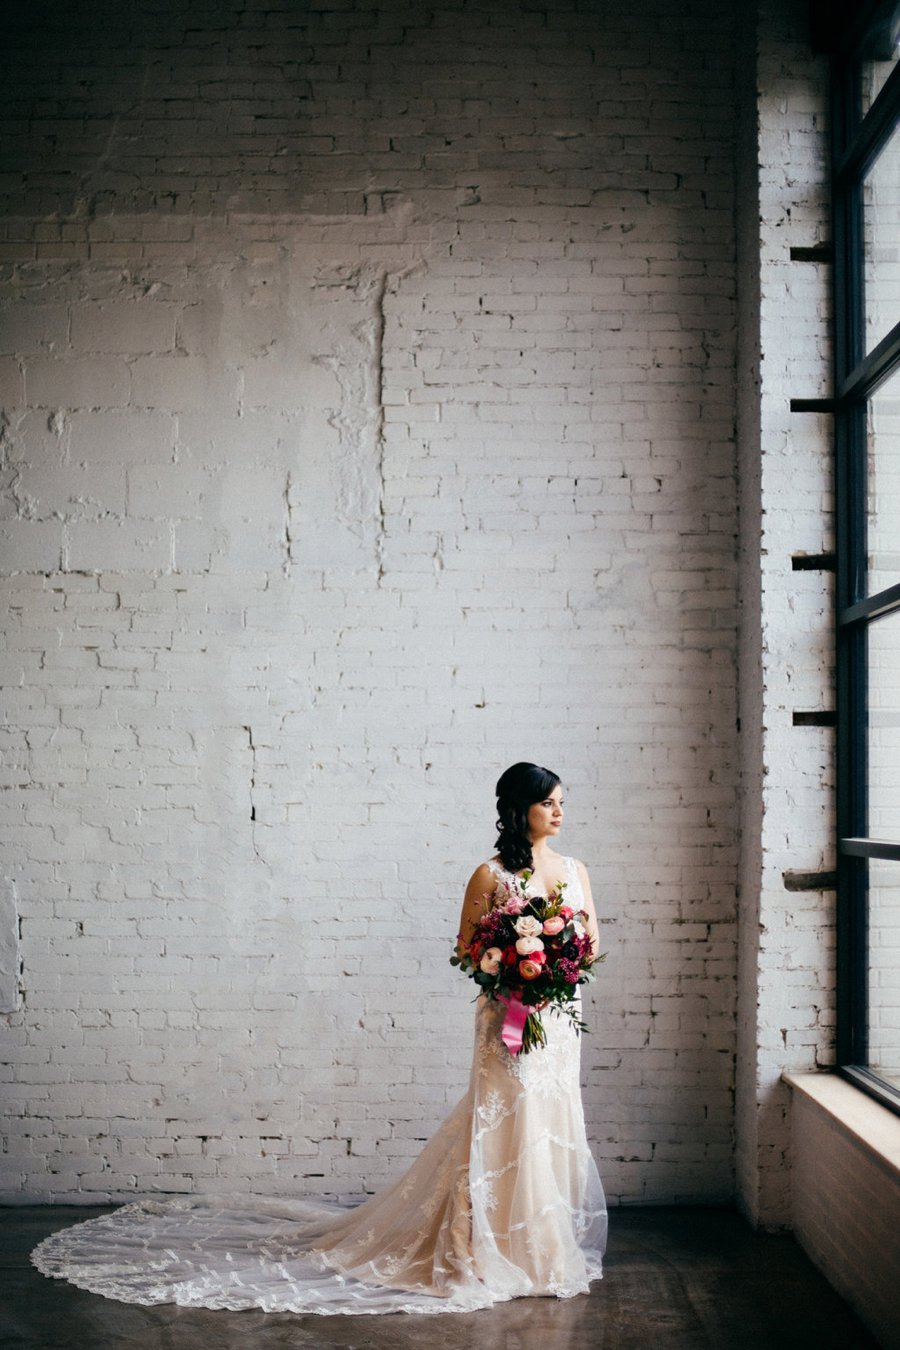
845	1186
868	1122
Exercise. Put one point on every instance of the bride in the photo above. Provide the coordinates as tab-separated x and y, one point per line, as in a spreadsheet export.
503	1201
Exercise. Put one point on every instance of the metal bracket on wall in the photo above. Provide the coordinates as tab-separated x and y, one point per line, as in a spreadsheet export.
809	881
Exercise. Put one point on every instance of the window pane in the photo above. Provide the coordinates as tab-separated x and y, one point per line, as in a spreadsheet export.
874	78
884	728
881	211
884	969
884	485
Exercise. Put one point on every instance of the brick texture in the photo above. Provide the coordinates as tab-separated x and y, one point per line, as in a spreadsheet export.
786	975
369	425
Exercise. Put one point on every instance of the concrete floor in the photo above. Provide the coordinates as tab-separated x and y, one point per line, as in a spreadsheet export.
677	1279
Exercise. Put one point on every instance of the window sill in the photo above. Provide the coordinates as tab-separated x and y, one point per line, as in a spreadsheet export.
872	1125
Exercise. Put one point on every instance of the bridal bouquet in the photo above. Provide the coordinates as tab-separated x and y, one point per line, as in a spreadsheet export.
529	953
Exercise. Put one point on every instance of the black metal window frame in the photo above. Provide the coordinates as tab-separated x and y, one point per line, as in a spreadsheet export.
857	140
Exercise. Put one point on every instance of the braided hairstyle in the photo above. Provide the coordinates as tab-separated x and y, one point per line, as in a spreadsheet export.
518	789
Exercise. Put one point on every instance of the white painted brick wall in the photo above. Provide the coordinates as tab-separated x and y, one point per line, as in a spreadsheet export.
786	977
370	426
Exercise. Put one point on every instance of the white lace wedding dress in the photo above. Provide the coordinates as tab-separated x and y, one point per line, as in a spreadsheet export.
503	1201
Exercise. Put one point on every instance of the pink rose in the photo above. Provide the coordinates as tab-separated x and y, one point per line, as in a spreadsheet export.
566	913
529	970
554	925
490	962
514	904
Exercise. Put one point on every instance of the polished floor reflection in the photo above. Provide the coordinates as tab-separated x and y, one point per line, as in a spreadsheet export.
677	1279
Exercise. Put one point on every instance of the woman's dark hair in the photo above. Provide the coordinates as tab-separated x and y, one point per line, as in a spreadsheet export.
517	790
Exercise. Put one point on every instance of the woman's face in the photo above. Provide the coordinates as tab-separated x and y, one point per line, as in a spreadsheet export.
546	817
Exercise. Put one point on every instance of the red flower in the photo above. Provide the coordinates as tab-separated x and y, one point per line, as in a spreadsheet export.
510	956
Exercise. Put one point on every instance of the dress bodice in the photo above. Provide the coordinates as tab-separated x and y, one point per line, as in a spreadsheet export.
569	870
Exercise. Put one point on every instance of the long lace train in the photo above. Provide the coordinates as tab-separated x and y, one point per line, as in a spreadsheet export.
503	1201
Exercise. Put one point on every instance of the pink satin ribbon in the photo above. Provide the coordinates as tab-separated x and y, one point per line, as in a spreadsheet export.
514	1023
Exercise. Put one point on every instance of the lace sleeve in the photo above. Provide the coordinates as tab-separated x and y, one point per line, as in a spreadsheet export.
497	871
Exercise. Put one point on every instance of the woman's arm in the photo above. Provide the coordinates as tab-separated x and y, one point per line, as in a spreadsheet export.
593	927
482	883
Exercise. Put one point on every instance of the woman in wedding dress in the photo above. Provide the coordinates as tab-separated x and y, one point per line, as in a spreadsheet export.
504	1201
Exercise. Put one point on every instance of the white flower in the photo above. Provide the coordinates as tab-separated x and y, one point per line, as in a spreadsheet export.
526	945
528	926
490	962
